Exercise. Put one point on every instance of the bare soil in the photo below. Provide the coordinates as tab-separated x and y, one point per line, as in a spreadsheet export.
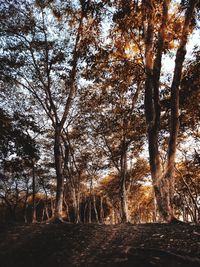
62	245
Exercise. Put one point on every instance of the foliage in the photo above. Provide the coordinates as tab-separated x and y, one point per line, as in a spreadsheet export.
84	91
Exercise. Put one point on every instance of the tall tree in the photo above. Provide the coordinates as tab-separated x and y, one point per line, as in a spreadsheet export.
113	119
146	31
49	43
163	181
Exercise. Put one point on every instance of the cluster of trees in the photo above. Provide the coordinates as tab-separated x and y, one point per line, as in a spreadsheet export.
93	127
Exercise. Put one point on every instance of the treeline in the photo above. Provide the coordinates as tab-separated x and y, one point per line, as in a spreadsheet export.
92	126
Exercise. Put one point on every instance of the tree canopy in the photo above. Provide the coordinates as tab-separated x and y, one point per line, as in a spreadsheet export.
99	111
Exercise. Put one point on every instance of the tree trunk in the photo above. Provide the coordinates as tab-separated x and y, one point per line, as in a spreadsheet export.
123	198
113	215
67	209
52	207
76	204
46	204
25	212
59	174
95	209
78	219
152	106
90	211
123	193
26	205
174	119
34	216
85	212
101	210
163	183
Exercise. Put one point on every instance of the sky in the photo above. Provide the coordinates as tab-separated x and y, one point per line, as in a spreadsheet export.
168	62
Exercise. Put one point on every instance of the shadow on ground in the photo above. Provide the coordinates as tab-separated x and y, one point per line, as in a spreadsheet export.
62	245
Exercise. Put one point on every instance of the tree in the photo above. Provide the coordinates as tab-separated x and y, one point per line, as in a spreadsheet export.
47	63
89	89
111	112
18	149
146	31
163	182
187	190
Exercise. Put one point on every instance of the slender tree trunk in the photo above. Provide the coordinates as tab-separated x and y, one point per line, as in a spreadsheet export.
25	214
34	216
52	207
123	198
101	210
113	215
76	204
67	209
90	202
123	193
95	208
154	210
59	174
43	213
85	212
47	211
90	211
46	205
78	208
25	205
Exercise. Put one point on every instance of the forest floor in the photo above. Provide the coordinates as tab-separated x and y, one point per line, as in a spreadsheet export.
62	245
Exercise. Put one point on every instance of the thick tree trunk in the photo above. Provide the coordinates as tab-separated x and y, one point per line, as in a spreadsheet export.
163	183
152	108
59	174
174	119
152	112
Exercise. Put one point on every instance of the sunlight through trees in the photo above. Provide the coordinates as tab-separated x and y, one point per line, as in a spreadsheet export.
92	126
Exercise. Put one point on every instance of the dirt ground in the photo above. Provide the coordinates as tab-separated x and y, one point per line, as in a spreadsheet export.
62	245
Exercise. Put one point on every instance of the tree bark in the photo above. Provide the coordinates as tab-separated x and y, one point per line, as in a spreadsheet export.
90	210
76	204
34	216
85	212
123	200
163	183
95	208
59	174
152	105
174	119
101	210
123	176
26	204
